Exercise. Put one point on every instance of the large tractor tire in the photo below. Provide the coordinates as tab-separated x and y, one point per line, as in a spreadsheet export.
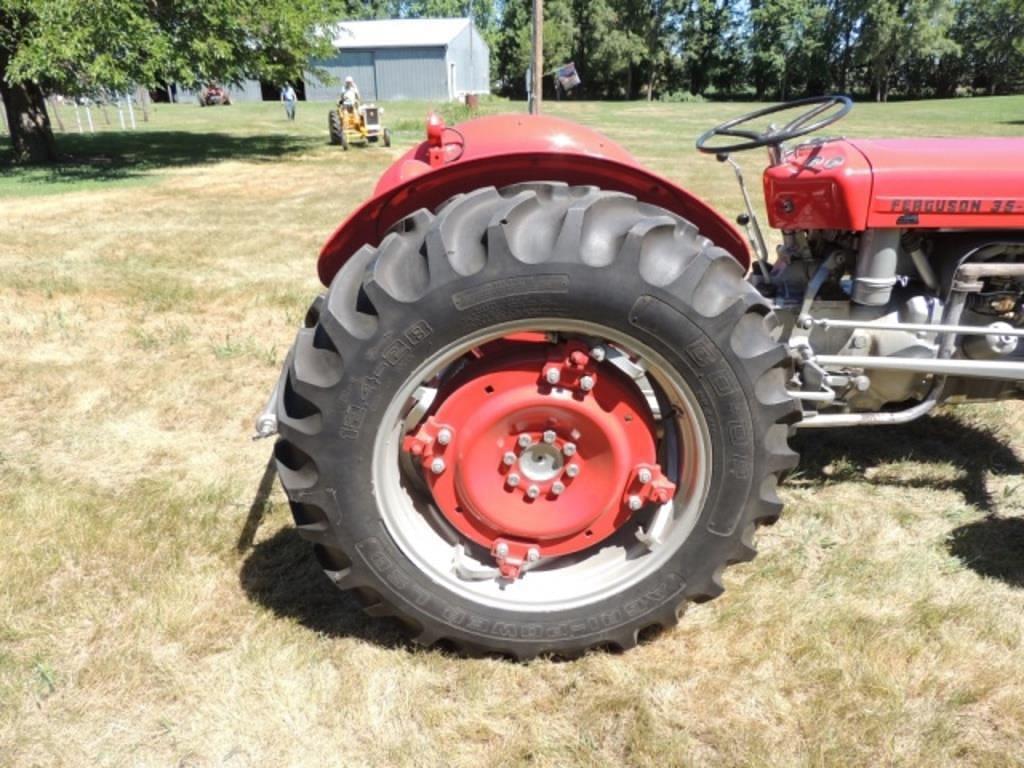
334	129
538	420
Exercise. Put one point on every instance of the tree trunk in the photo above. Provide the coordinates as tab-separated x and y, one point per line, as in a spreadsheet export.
31	133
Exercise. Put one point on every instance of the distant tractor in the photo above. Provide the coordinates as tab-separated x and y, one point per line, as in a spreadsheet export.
214	96
546	398
350	124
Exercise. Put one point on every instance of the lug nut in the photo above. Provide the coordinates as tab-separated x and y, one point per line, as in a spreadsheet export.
533	554
552	376
513	480
569	449
533	491
572	470
549	436
598	354
558	488
587	383
635	502
524	441
508	459
644	475
501	550
444	436
437	466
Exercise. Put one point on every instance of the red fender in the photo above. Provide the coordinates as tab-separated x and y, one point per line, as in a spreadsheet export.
509	149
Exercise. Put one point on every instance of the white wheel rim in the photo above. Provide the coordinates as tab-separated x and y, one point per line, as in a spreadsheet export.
572	581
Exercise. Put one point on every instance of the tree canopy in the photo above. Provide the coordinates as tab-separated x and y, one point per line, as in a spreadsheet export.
84	46
774	49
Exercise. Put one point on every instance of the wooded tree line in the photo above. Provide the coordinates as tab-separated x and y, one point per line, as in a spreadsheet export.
766	49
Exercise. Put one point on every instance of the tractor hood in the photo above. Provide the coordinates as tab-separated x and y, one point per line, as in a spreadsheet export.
860	184
508	149
945	182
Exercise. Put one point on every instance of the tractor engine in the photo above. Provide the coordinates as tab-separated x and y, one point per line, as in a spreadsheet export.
870	294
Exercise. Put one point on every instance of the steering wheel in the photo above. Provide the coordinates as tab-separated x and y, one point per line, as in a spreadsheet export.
808	121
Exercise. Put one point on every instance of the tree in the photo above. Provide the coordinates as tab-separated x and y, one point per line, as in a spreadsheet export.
82	46
785	40
994	62
481	11
896	31
512	43
706	36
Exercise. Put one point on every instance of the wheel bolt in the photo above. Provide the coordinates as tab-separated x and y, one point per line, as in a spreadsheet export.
598	354
644	475
513	480
572	470
587	383
524	441
552	376
508	459
569	449
549	436
501	550
533	491
437	466
533	554
558	488
635	502
444	436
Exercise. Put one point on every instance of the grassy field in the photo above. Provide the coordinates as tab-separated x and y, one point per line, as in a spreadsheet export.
156	608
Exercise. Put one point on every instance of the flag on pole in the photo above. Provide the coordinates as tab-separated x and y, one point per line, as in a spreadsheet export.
567	76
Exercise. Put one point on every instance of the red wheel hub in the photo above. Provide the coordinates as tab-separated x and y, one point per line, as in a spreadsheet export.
538	450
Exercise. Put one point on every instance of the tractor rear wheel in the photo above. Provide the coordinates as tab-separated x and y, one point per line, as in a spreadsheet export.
334	129
536	421
387	137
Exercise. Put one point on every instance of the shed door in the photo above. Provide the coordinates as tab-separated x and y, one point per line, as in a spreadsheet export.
412	73
358	65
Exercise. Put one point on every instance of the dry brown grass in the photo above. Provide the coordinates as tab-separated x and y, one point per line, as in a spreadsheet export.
155	612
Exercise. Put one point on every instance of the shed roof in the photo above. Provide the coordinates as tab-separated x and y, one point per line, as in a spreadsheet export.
397	33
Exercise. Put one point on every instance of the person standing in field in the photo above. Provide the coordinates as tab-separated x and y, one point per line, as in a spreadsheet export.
288	98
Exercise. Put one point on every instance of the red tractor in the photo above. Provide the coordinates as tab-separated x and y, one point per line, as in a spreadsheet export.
214	96
546	398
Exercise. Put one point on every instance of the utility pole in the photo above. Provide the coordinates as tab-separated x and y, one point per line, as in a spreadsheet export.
537	70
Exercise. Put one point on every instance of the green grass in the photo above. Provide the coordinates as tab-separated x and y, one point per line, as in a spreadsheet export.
157	608
183	135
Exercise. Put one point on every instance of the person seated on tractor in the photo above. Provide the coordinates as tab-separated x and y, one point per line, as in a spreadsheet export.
350	95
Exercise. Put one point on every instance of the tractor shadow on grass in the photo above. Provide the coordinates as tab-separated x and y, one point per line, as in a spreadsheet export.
993	546
119	156
282	574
